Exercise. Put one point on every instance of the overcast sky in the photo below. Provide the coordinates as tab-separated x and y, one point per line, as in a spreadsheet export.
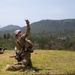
15	11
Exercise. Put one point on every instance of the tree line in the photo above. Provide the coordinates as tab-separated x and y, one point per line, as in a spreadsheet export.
42	41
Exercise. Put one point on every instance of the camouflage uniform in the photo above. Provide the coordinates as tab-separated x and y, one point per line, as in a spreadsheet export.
23	45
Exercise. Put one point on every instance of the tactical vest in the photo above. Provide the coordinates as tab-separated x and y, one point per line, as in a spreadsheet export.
24	45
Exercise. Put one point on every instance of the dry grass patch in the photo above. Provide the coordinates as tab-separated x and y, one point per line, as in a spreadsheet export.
48	61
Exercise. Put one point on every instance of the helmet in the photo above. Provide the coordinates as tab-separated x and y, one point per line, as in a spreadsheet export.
16	32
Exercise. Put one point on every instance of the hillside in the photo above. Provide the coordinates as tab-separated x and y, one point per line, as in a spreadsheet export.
44	26
9	27
53	25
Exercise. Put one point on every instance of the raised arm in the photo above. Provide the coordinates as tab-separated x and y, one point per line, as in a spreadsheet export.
27	30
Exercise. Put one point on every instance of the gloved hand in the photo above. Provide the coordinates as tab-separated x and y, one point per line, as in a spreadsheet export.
27	21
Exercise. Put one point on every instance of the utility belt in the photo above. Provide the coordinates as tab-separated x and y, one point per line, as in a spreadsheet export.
20	55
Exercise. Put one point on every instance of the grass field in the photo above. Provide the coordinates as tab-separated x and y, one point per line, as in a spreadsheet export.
50	62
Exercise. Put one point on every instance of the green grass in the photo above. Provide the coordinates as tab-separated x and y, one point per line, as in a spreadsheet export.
48	61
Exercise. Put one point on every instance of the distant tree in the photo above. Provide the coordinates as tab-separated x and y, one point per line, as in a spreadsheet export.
8	35
5	36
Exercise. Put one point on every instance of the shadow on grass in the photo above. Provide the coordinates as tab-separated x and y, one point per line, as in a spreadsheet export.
37	69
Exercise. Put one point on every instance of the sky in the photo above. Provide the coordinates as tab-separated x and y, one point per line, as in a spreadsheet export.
16	11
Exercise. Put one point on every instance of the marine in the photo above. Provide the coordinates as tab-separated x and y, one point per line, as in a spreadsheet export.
24	47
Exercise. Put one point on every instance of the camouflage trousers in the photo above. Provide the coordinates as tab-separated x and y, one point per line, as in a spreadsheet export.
26	62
